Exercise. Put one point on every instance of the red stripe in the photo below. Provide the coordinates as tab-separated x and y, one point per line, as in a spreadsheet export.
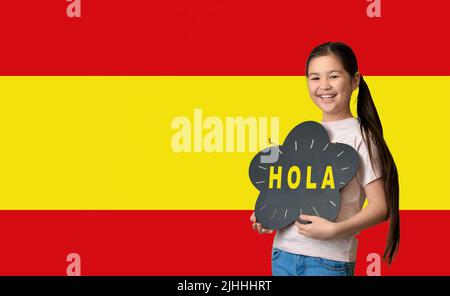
222	37
188	243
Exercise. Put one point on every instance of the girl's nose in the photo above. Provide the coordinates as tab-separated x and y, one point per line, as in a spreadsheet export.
325	84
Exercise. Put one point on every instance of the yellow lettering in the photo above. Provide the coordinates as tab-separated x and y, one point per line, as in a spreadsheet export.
275	176
309	184
296	170
328	179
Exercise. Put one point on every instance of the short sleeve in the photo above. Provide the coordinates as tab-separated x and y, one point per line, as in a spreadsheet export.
368	171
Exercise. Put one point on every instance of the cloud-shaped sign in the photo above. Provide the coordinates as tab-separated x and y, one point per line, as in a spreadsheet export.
302	176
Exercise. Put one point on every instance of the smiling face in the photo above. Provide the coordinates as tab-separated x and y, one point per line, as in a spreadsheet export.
330	87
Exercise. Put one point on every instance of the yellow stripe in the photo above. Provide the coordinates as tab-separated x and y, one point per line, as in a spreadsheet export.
105	142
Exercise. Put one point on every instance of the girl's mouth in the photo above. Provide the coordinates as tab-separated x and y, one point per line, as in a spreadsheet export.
327	96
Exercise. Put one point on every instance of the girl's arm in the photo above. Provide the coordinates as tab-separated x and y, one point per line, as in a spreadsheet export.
374	213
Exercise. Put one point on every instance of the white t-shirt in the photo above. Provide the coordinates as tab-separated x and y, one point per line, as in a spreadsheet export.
345	131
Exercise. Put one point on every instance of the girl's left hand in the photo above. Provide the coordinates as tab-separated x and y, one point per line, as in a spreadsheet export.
319	228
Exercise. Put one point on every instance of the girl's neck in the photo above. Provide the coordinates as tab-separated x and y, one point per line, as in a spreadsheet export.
335	117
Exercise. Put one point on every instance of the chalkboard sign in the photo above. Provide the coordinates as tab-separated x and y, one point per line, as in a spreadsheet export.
302	176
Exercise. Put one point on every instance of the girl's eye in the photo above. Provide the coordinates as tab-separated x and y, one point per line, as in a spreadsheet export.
315	78
334	76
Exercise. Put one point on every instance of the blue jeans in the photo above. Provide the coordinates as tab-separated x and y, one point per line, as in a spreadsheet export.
285	263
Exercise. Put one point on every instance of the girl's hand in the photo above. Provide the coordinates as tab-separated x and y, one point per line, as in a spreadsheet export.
258	227
319	228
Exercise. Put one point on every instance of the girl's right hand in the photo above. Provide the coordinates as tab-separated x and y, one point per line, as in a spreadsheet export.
258	227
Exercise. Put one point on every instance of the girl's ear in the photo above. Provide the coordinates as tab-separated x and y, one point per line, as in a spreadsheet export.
355	80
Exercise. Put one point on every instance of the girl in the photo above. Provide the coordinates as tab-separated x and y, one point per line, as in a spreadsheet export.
329	248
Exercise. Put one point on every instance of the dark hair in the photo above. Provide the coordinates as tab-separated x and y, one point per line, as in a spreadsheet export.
370	126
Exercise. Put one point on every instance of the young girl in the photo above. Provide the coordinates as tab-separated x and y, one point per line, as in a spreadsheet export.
329	248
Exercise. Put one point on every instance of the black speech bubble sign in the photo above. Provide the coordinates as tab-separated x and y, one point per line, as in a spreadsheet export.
307	145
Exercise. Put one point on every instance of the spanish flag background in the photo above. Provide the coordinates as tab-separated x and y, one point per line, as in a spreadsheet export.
86	111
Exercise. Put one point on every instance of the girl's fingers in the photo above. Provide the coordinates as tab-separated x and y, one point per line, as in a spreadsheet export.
302	227
303	232
255	226
259	227
265	230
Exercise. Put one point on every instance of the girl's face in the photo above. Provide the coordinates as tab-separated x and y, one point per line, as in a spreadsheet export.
331	87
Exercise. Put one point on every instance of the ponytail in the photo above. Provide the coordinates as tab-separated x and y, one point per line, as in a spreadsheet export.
371	128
